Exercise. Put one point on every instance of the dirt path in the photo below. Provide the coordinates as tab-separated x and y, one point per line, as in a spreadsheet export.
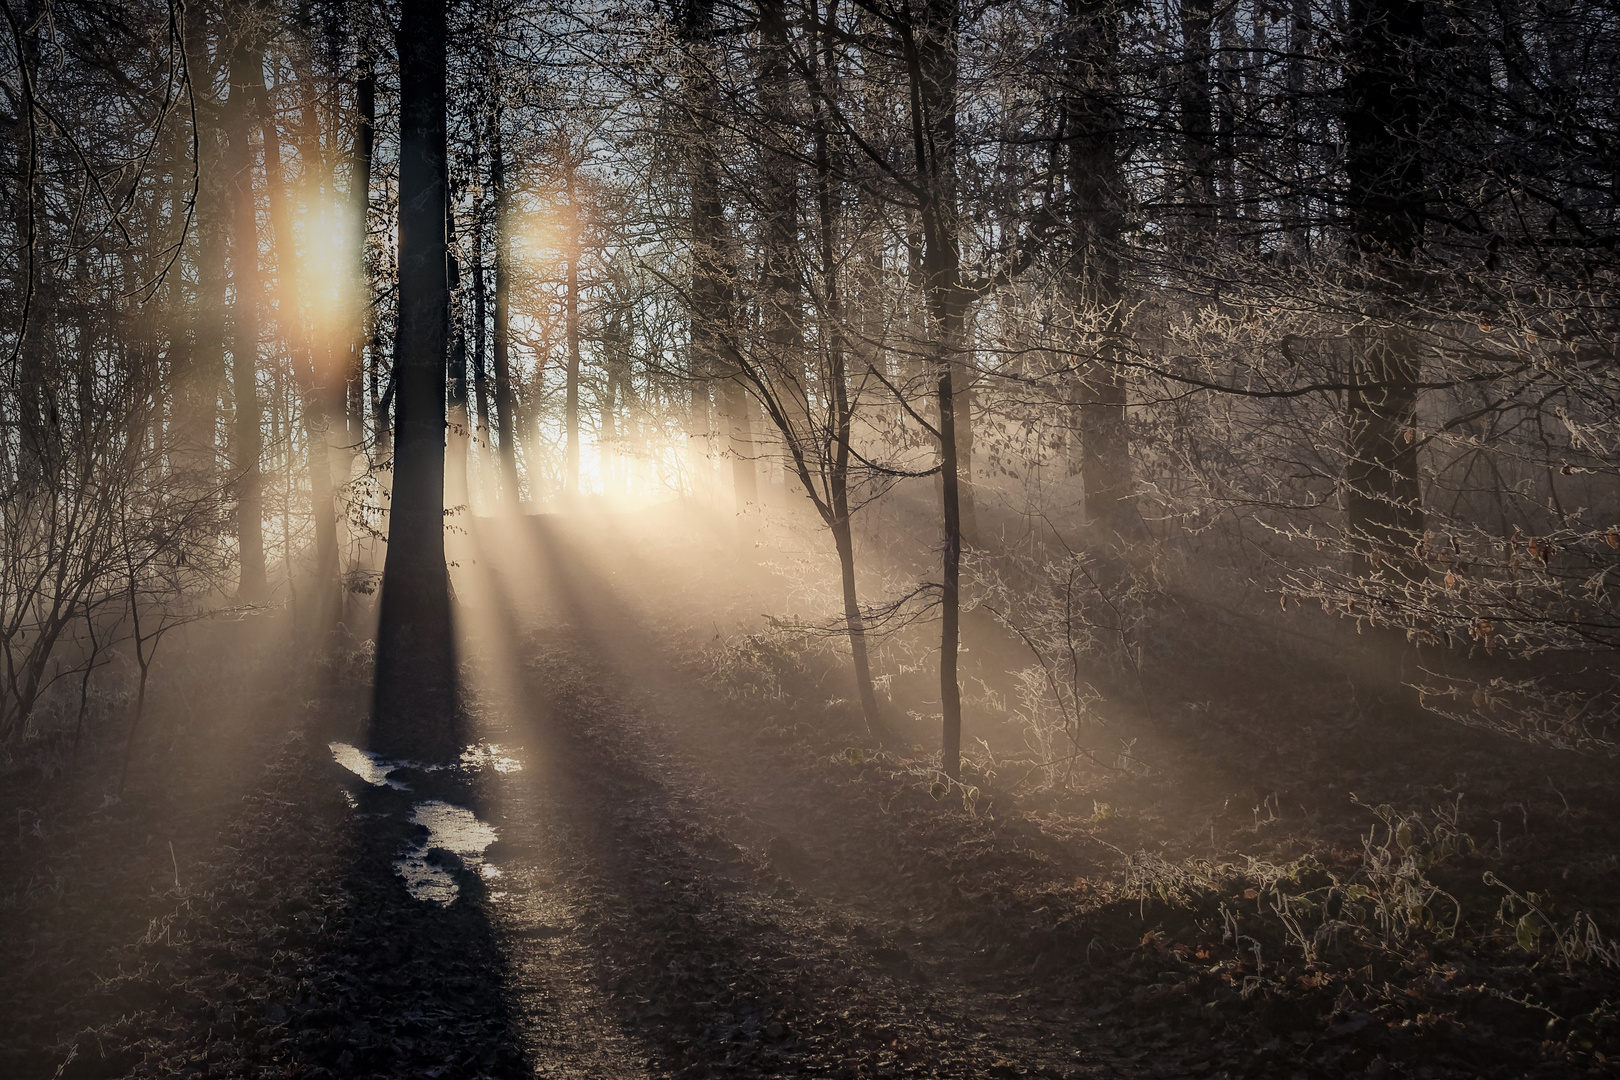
672	869
702	876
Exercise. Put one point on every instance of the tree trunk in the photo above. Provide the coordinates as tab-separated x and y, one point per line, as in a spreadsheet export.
458	437
202	358
571	328
713	315
503	315
931	55
1197	148
365	137
314	380
414	705
843	412
1096	218
480	368
247	439
1385	172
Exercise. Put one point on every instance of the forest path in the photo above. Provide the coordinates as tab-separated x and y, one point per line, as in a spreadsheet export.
680	892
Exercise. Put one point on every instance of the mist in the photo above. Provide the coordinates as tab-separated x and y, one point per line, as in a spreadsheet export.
551	539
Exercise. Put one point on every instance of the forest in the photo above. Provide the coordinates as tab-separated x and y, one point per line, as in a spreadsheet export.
837	538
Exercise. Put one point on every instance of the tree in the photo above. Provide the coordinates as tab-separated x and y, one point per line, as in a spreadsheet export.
414	706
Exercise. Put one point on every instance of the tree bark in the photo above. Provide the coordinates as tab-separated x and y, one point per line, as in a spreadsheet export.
931	56
1385	173
314	380
713	315
247	438
503	313
414	703
365	138
458	436
1097	220
1197	148
571	329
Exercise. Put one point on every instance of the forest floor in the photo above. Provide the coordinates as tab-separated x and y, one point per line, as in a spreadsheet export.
705	867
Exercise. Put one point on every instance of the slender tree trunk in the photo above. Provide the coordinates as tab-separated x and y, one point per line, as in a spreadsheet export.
480	368
503	309
931	55
202	356
1296	237
1226	117
314	380
571	328
365	137
247	440
843	411
1197	147
458	436
414	710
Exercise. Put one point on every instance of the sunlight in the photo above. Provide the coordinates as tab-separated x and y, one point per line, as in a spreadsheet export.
326	273
540	234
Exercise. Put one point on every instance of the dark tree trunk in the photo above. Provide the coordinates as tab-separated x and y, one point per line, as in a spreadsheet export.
458	437
480	367
1197	134
842	409
414	706
781	299
1385	173
246	440
1097	220
365	137
931	55
503	314
713	316
201	359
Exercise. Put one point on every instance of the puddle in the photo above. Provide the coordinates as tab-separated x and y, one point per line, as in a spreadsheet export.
490	756
372	768
454	829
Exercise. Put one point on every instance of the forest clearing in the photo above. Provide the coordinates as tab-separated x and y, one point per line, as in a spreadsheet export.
901	538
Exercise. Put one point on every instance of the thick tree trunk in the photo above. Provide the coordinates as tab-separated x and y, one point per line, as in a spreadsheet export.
1226	117
414	705
1385	171
1097	193
713	316
247	438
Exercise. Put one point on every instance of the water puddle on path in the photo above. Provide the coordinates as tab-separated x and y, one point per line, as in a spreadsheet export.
449	828
490	756
422	865
370	767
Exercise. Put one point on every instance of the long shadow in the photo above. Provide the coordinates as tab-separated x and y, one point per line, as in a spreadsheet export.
684	933
403	987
